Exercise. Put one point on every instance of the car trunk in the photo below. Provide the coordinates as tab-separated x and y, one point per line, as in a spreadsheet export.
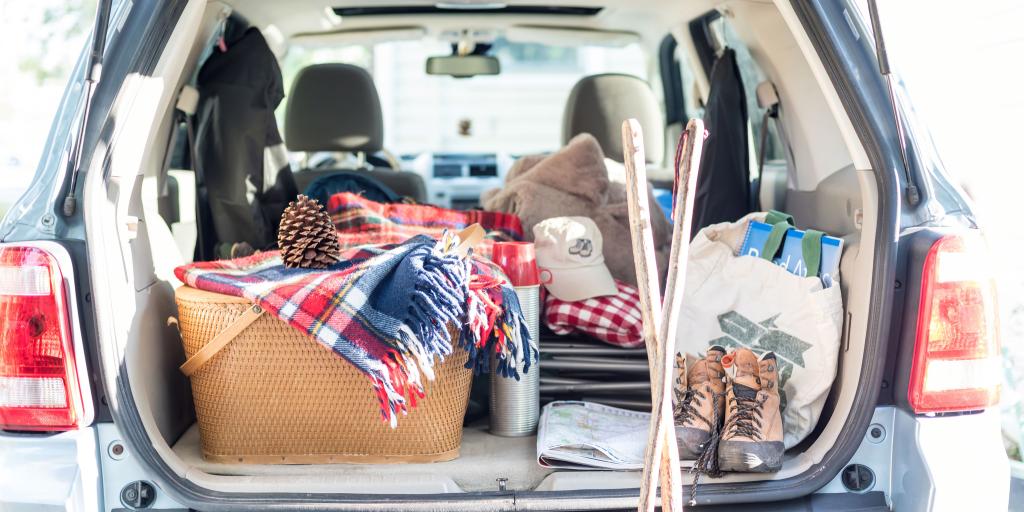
486	462
841	200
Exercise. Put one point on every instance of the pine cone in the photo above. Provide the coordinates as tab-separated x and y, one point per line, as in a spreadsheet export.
306	236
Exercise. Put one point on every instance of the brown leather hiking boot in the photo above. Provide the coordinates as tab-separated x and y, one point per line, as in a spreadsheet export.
698	413
752	435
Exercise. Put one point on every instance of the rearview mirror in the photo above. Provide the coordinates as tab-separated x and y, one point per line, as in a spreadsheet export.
463	66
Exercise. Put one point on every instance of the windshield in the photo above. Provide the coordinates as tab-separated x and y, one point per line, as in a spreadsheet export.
516	112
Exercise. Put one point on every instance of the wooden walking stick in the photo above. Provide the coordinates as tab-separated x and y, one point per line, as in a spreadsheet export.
687	163
660	452
661	457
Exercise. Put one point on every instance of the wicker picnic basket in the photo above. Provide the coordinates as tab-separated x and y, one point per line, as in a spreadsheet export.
273	396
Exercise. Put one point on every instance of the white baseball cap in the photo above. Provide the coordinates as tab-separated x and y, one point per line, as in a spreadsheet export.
570	260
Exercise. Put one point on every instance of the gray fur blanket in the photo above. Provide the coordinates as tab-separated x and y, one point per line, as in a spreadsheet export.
575	181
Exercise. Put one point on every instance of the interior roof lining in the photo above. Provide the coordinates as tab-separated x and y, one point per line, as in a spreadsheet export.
434	9
515	32
651	19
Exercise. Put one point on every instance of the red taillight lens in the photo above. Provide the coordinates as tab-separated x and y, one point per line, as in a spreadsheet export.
39	387
957	364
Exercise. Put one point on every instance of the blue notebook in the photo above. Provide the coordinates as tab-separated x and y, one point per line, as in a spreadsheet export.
791	255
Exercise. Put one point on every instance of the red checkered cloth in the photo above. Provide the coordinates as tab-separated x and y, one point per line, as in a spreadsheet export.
614	319
361	221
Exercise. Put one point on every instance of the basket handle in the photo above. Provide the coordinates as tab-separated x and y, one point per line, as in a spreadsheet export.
221	340
468	238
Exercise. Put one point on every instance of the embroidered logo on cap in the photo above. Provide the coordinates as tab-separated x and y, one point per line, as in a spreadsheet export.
583	247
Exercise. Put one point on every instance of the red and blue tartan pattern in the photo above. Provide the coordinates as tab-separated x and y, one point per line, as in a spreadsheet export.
360	221
385	309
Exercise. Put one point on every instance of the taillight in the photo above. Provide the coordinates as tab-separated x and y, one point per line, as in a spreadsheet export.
39	388
956	358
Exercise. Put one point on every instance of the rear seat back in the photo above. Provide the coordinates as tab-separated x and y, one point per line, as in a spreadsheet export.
335	108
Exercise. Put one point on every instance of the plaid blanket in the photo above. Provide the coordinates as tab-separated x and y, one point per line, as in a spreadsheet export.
361	221
385	309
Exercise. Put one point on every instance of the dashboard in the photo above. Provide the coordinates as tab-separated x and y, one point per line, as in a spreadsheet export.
456	180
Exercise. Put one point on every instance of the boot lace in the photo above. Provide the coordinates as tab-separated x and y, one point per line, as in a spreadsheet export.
707	462
745	417
744	420
687	402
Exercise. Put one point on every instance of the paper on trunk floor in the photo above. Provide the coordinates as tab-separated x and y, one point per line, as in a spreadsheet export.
585	435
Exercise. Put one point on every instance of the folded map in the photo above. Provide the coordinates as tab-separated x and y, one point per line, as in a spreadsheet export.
586	435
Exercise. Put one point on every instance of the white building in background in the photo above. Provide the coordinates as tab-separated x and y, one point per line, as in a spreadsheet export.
516	112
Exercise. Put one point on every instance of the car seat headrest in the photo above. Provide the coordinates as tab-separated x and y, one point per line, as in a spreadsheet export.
767	96
598	105
334	107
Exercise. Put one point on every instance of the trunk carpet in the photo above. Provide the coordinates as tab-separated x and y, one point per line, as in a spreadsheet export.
483	459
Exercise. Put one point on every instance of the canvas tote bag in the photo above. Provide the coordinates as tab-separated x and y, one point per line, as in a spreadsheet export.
747	301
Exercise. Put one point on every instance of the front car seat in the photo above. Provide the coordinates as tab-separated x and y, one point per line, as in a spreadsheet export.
598	104
335	108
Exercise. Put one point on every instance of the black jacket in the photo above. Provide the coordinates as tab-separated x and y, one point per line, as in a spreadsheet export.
244	181
723	186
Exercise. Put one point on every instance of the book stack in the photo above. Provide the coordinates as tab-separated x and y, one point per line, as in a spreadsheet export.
791	255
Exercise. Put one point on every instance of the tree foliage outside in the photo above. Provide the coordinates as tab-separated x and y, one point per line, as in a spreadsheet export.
41	41
48	54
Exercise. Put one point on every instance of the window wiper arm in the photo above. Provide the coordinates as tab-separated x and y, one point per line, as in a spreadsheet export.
913	195
93	70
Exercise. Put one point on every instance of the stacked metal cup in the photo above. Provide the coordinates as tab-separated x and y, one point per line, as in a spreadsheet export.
515	404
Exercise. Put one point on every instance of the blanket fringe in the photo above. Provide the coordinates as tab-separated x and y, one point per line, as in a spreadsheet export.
514	337
437	300
503	332
448	291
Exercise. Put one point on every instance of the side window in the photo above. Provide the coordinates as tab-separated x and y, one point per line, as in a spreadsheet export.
682	100
673	82
691	96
